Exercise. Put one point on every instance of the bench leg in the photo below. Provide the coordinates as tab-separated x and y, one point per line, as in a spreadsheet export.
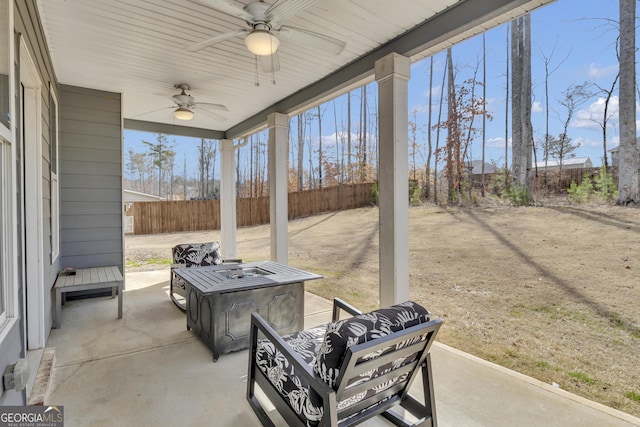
119	299
57	313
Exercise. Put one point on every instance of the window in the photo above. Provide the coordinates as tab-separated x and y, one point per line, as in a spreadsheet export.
7	290
8	297
55	190
5	66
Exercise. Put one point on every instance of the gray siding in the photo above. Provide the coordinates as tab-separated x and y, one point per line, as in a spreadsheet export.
90	178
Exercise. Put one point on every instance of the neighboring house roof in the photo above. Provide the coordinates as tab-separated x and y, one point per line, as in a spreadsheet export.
616	149
476	167
129	196
565	162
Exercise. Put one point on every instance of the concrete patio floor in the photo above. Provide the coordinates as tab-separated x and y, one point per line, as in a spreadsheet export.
147	369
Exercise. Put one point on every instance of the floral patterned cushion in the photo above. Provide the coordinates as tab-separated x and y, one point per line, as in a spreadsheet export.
337	336
282	375
343	334
197	254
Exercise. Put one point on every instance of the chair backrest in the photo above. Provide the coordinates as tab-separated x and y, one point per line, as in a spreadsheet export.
197	254
374	357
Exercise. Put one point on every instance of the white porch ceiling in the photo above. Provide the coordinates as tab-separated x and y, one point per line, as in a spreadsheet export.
138	48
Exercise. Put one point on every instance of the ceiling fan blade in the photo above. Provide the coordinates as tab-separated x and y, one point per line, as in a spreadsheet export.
210	106
215	116
283	9
270	63
313	39
153	111
229	8
213	40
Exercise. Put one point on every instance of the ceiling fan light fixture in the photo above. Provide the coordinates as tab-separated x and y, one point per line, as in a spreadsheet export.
261	42
183	114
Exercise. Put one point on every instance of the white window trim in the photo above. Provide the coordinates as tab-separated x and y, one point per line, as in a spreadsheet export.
55	186
8	226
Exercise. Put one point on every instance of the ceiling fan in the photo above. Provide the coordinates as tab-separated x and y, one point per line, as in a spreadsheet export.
262	37
185	104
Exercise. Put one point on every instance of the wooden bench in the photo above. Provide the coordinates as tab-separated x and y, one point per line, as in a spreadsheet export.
86	279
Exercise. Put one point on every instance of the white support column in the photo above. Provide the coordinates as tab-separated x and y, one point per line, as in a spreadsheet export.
278	124
228	239
392	75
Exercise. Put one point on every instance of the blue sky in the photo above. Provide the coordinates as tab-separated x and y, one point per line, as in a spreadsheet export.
580	33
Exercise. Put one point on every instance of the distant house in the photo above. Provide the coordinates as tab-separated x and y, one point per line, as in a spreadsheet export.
128	198
572	163
615	153
476	167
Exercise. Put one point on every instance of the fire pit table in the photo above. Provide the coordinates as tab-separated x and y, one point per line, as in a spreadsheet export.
221	298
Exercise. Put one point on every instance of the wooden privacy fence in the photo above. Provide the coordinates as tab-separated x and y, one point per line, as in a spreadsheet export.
197	215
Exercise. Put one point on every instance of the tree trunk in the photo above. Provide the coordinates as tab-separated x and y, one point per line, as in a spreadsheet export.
349	172
319	148
437	151
300	154
484	103
427	187
522	132
451	131
629	158
506	118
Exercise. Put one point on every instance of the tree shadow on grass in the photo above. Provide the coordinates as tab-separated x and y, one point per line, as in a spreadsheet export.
600	217
614	318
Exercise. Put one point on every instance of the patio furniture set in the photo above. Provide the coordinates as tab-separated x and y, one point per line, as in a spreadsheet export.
341	373
337	374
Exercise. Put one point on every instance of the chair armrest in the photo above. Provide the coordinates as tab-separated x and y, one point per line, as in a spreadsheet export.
299	365
174	266
339	304
232	261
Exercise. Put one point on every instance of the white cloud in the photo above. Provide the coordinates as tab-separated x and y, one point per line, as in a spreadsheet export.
497	142
592	116
596	71
435	93
537	107
586	142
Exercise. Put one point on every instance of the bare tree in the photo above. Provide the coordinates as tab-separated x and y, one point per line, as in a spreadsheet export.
451	124
349	171
572	98
484	97
506	117
606	115
300	153
413	143
206	156
437	150
548	71
320	156
162	154
138	168
629	157
427	186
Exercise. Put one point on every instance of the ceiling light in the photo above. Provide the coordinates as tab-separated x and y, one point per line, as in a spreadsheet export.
183	114
261	42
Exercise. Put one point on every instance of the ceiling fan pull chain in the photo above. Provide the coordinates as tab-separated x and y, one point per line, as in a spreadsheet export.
257	75
273	61
273	70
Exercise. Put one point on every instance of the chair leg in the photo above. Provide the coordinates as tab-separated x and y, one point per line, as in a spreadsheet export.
425	413
181	305
251	383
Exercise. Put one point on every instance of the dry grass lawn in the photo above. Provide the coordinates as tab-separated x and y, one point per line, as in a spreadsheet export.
552	292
